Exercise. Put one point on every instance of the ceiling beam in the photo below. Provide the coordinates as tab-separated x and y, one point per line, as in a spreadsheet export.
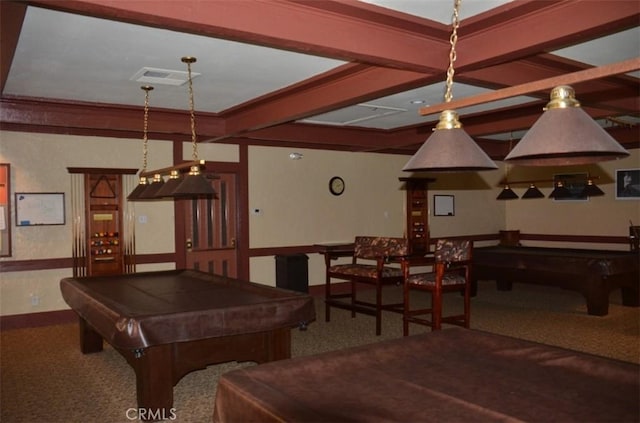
553	25
360	84
263	23
11	19
102	117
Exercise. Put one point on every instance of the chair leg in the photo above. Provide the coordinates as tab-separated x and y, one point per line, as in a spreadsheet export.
327	296
353	299
406	310
436	312
467	307
378	309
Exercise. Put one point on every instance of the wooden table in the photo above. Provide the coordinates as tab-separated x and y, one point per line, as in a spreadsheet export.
169	323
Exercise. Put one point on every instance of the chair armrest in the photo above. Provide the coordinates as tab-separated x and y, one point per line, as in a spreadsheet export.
417	260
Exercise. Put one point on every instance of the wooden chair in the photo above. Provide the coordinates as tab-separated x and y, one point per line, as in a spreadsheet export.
451	272
368	266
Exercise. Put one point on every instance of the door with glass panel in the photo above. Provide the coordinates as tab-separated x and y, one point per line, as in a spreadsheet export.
211	229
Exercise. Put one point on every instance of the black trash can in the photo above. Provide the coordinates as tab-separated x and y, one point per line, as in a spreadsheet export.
292	272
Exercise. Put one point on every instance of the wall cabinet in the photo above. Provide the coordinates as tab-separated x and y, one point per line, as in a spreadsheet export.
101	244
104	224
417	213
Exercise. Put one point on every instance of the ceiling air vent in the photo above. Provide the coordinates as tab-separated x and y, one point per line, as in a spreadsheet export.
354	114
157	76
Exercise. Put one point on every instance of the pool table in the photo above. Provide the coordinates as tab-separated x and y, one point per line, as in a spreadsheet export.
450	375
169	323
593	273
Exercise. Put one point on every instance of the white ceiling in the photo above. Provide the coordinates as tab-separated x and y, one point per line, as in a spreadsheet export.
80	58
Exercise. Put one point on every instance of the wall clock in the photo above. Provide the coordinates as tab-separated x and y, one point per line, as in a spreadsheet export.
336	185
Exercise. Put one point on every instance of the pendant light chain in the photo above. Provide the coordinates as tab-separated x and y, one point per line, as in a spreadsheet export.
145	139
453	40
188	61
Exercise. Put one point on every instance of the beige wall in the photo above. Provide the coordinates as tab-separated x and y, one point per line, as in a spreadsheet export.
604	215
295	203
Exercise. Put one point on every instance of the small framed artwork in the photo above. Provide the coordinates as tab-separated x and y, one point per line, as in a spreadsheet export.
39	208
574	183
444	205
628	184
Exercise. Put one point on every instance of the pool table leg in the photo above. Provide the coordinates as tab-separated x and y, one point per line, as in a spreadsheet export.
90	340
630	297
154	379
596	292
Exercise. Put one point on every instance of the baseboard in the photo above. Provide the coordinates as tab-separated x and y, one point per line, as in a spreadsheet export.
59	317
31	320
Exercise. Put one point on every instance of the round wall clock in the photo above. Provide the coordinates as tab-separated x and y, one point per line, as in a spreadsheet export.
336	185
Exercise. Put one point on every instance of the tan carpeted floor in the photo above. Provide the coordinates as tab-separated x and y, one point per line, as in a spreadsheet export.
45	378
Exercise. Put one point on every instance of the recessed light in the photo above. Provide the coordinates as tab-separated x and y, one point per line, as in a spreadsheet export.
418	101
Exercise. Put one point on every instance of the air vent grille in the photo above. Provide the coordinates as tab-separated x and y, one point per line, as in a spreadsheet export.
157	76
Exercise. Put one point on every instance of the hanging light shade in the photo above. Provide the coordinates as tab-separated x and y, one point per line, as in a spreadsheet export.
532	192
591	190
560	191
138	190
170	185
565	135
152	188
507	194
194	184
143	182
450	148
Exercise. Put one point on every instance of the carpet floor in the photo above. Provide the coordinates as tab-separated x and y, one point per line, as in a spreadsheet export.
45	378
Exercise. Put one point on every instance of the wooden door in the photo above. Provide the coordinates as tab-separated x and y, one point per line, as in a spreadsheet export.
211	229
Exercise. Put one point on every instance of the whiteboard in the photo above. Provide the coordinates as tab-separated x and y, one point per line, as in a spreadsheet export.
36	208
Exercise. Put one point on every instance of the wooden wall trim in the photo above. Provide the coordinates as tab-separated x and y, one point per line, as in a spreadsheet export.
31	320
588	239
67	263
61	263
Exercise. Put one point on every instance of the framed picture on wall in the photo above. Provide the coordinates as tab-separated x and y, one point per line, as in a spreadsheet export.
39	208
628	184
444	205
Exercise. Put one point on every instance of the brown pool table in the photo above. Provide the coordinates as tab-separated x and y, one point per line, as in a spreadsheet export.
169	323
593	273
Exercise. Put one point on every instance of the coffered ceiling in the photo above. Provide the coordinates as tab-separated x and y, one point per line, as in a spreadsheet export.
332	74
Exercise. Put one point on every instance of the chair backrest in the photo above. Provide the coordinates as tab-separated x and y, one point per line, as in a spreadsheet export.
372	247
452	250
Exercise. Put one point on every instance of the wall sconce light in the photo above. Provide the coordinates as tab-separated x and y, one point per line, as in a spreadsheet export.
296	156
450	148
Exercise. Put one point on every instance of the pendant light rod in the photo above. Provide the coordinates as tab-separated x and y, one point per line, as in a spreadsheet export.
535	181
167	170
541	85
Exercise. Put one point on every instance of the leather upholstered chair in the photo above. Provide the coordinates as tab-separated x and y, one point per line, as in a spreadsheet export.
451	272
